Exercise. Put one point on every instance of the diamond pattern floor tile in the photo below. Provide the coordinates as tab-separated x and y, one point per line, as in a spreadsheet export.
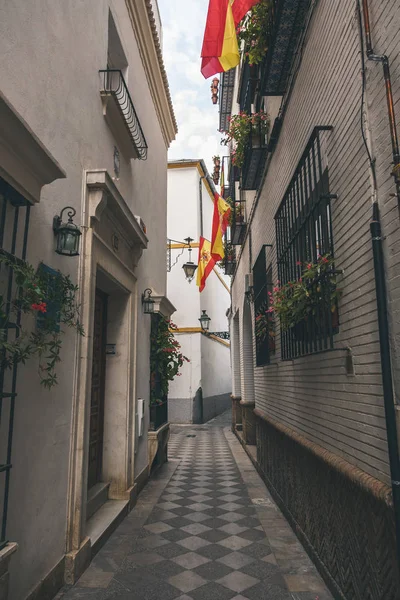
201	538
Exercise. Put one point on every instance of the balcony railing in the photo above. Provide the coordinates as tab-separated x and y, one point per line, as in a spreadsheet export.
248	85
230	260
285	23
254	160
238	222
113	87
226	98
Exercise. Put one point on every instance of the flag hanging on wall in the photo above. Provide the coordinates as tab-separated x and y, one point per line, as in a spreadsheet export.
220	51
240	8
206	263
222	212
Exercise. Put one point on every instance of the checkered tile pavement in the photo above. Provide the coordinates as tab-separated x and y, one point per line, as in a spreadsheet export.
202	539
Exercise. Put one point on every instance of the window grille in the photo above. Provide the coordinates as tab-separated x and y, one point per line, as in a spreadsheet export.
264	323
14	226
303	232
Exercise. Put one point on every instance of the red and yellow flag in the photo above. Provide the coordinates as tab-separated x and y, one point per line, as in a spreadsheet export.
240	8
206	263
220	50
222	212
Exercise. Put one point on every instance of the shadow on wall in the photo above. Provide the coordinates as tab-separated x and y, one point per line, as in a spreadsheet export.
197	410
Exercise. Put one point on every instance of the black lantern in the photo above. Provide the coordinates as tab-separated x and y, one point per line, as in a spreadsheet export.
148	302
205	321
68	234
189	267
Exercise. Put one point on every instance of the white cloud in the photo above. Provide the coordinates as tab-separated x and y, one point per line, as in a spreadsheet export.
183	28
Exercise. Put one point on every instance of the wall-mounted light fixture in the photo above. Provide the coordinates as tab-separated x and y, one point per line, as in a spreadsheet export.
68	234
214	90
205	321
147	302
249	288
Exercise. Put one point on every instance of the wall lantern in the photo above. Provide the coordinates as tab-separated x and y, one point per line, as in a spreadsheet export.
148	302
205	321
68	234
189	267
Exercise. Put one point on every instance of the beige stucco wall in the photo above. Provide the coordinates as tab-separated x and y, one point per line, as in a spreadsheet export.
51	53
313	395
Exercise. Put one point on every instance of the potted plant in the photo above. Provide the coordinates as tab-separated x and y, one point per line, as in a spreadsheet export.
311	296
254	31
244	128
50	298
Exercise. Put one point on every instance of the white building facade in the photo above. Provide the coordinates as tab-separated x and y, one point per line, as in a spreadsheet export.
85	122
204	388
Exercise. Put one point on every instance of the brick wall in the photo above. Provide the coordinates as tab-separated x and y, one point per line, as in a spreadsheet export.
313	395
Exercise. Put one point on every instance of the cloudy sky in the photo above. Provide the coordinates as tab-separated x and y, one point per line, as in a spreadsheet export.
183	24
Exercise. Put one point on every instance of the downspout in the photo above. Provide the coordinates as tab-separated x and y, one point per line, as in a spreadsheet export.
380	281
382	58
201	203
386	365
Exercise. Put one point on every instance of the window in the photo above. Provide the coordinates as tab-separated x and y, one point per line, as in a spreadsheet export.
303	232
264	322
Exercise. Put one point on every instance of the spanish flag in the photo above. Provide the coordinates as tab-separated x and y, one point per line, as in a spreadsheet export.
222	212
240	8
206	263
220	51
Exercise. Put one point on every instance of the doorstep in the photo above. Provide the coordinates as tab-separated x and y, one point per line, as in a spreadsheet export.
104	521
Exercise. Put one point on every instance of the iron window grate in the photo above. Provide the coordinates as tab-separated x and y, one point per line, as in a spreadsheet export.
303	232
14	226
263	320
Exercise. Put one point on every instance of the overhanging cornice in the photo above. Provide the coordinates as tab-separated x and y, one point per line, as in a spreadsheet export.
145	30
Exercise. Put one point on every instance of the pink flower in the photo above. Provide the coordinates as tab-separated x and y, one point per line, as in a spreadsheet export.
276	289
299	263
309	266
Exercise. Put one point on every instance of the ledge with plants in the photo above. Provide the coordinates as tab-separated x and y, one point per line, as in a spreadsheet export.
246	130
311	300
34	320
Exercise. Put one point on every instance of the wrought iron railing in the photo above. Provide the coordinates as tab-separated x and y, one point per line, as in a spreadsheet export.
226	86
264	321
14	226
238	221
248	85
113	82
284	25
303	232
230	262
254	158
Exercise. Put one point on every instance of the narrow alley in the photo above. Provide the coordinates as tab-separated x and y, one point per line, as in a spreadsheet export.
204	528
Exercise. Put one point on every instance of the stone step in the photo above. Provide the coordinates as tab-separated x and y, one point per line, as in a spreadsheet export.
97	496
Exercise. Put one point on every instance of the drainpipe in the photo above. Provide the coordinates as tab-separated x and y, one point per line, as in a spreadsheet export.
382	58
386	365
201	203
380	280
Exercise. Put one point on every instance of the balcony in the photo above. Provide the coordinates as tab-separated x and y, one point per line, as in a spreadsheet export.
247	86
120	114
238	222
254	160
226	98
285	26
229	260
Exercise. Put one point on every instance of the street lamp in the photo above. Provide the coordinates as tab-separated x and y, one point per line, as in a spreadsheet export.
189	267
68	234
205	321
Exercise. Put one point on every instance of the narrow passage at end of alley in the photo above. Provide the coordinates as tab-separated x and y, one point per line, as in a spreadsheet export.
204	528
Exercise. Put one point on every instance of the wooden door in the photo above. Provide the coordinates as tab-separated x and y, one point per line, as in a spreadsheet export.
98	388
